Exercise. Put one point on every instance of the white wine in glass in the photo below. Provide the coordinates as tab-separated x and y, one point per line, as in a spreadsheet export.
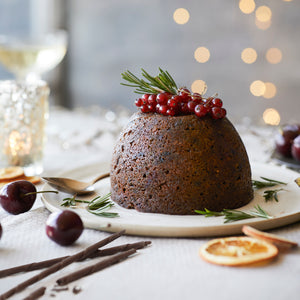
28	58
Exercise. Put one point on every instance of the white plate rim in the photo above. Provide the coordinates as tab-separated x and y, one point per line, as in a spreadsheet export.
185	226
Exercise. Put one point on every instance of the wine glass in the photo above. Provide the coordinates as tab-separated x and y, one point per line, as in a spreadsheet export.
27	57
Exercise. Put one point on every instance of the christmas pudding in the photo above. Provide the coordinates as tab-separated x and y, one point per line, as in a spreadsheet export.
179	153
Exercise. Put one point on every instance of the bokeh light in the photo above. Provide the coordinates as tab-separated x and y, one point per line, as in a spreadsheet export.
181	16
202	54
271	116
263	13
257	88
270	91
262	25
247	6
274	55
249	55
199	86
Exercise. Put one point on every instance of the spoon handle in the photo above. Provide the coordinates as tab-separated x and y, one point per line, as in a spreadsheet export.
102	176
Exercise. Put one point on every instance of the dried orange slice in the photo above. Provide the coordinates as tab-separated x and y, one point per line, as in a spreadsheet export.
32	179
10	173
275	239
237	251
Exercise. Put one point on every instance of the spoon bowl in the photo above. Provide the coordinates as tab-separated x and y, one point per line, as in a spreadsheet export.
72	186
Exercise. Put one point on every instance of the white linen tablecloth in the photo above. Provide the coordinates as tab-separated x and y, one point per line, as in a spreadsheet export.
168	269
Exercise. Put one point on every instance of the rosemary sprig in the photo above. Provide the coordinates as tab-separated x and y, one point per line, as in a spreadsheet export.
271	194
152	85
266	183
72	201
100	205
232	215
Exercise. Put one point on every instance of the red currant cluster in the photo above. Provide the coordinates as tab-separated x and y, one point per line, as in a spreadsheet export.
184	103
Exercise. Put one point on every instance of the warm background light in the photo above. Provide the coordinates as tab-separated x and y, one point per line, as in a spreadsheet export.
270	91
262	25
274	55
271	116
199	86
249	55
202	54
247	6
181	16
263	14
257	88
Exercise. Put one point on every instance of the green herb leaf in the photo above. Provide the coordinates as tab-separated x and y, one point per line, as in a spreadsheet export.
72	201
100	205
152	85
266	183
271	194
232	215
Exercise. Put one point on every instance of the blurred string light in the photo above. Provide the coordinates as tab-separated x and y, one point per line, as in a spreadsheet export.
263	13
262	25
181	16
247	6
202	54
266	89
271	116
249	55
274	55
199	86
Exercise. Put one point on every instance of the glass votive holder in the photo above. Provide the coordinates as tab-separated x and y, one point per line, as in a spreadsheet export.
23	114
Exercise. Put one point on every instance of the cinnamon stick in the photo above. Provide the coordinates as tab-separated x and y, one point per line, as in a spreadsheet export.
36	294
94	268
47	263
65	262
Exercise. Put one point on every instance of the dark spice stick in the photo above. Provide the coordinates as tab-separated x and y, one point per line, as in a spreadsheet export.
36	294
94	268
65	262
50	262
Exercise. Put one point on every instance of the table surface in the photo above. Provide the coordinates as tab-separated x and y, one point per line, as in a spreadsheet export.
168	269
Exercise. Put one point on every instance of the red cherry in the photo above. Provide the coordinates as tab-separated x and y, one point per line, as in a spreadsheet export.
200	110
296	148
64	227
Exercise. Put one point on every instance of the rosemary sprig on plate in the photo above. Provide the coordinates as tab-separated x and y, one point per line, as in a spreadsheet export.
268	194
266	183
271	194
151	85
232	215
98	206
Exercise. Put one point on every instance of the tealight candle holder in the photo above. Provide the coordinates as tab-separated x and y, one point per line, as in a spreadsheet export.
23	114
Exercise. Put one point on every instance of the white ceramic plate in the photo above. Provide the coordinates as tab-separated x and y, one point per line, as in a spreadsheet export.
284	212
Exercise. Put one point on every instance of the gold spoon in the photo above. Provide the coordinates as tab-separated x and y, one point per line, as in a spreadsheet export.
72	186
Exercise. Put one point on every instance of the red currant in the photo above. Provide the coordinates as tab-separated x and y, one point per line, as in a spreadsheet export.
218	112
191	106
171	112
163	109
162	98
172	103
200	110
151	107
139	102
144	108
217	102
152	99
196	97
184	108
